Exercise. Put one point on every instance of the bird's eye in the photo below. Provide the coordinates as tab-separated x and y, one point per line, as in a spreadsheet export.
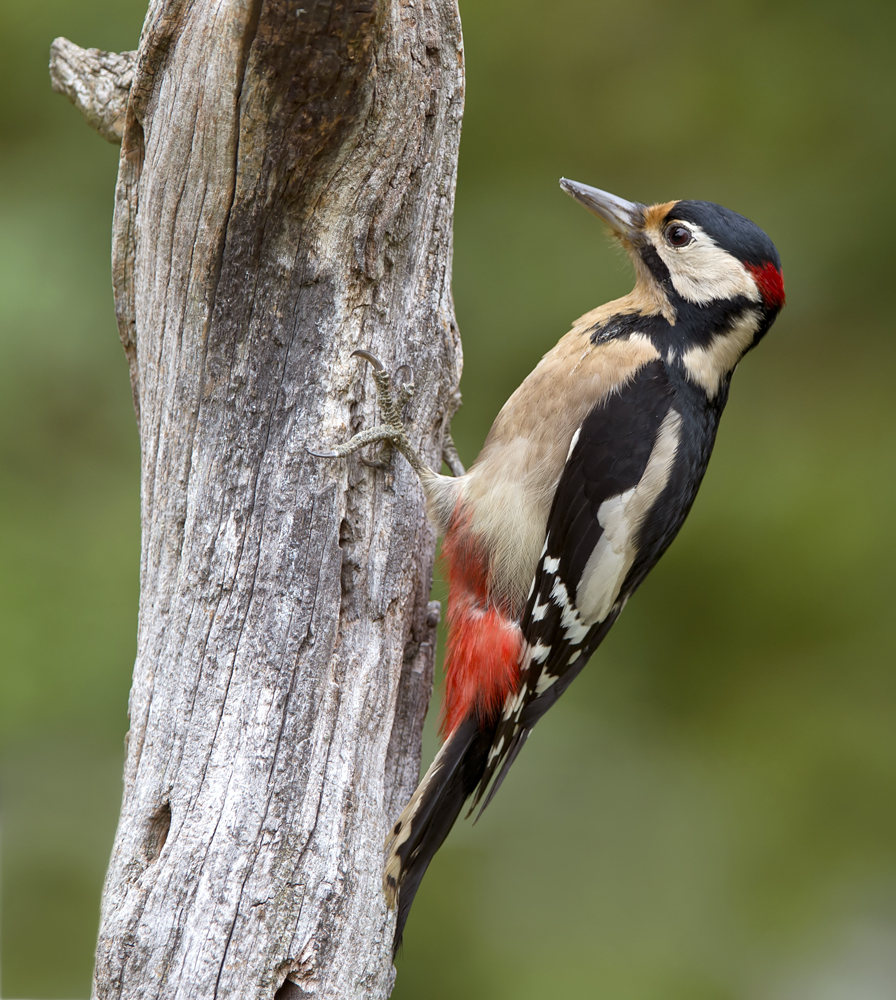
678	236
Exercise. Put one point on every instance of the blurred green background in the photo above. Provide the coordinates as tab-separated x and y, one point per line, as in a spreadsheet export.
711	813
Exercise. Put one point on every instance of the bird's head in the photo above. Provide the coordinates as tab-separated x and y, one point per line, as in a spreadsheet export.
692	253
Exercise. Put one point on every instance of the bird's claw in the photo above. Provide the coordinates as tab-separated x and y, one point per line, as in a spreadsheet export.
391	433
378	463
371	358
405	388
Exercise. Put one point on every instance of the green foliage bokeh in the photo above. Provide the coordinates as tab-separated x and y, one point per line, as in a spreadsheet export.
710	814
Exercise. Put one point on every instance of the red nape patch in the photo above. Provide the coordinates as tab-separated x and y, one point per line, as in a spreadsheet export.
771	283
481	660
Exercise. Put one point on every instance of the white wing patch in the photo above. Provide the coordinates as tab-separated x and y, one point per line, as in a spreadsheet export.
621	517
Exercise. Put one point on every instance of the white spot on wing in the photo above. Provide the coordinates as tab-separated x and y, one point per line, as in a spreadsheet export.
545	681
540	653
551	565
514	703
574	628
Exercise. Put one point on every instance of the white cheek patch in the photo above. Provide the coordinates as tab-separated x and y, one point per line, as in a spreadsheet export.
708	366
621	517
703	271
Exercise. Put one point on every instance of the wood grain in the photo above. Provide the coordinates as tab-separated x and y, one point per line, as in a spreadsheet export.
285	196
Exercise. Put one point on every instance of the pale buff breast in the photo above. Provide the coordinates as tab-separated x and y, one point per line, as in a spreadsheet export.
507	493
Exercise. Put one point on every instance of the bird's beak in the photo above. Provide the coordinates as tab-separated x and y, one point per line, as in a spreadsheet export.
624	217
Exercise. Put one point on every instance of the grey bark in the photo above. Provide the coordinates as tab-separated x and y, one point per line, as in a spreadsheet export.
285	195
97	83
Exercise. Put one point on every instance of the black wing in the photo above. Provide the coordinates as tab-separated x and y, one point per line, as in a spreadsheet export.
619	465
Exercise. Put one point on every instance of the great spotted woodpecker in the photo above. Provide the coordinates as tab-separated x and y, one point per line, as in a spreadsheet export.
585	478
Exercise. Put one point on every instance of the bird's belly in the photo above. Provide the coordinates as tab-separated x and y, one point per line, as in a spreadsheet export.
507	511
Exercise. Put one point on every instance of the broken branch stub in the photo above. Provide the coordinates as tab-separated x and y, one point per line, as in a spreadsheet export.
96	82
285	196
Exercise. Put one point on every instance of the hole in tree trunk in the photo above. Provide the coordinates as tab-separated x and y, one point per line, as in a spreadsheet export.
159	825
290	991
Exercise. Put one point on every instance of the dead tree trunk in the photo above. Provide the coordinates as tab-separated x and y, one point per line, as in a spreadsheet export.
285	195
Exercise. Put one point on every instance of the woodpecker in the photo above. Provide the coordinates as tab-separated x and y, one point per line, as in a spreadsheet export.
586	476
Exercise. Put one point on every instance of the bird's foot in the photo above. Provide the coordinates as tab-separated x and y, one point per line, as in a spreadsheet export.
391	433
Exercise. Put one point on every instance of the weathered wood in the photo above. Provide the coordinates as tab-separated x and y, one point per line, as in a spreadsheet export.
285	195
97	83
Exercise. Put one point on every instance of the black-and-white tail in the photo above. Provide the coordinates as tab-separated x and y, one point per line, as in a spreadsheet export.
423	826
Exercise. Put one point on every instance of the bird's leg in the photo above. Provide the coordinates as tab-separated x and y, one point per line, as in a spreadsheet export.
451	458
391	432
